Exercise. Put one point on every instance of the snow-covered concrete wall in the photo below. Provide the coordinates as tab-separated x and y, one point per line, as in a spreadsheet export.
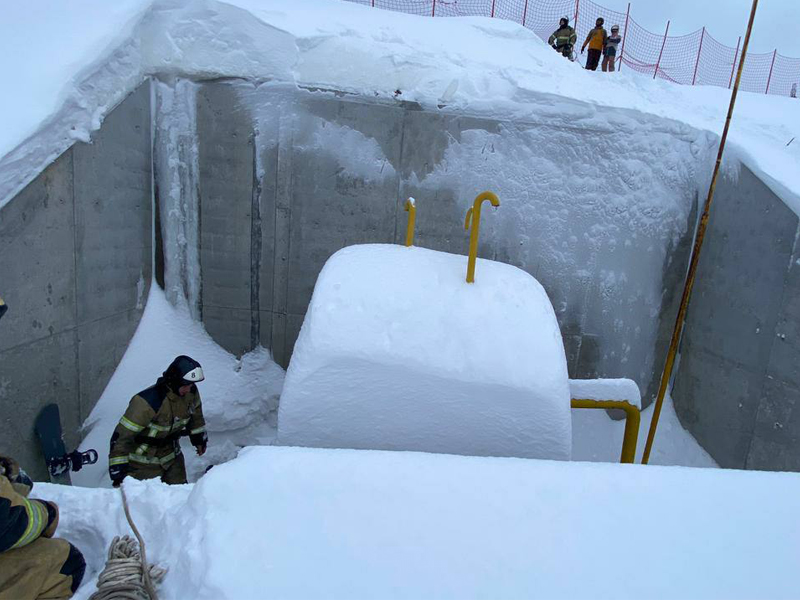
75	248
738	380
596	204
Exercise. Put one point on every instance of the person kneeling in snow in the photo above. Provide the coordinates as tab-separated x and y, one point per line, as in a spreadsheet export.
145	443
31	564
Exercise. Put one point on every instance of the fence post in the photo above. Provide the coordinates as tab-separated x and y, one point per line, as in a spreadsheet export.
433	12
733	66
774	54
493	1
575	20
525	13
660	54
624	36
699	50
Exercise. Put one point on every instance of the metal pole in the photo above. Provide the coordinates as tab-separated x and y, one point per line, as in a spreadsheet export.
433	12
733	66
774	54
525	13
699	50
698	245
624	36
575	20
660	54
493	1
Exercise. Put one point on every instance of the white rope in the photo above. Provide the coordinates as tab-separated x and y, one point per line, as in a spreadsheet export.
127	575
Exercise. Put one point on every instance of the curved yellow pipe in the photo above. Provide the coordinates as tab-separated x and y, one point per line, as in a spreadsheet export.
474	218
632	418
411	209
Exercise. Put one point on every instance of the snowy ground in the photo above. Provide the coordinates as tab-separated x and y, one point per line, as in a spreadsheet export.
65	85
310	523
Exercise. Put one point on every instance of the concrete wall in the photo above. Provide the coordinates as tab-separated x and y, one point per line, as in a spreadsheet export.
739	374
75	271
287	177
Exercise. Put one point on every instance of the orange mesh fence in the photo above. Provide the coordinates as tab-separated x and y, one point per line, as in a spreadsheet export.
692	59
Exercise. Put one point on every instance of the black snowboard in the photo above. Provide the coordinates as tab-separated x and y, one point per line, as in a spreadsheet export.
51	439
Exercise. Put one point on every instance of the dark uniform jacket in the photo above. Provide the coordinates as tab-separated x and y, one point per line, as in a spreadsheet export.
156	418
563	36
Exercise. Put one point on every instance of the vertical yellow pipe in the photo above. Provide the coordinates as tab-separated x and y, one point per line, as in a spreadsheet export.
411	209
632	418
474	218
698	244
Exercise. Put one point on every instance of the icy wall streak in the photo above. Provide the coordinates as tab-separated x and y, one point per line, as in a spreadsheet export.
176	166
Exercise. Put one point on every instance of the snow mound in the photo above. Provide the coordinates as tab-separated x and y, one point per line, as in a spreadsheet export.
398	352
309	523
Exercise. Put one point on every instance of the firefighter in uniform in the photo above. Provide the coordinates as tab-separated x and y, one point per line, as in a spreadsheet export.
563	38
145	443
32	564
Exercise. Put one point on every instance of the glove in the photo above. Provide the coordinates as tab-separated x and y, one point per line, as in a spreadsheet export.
117	474
9	467
52	518
200	442
582	50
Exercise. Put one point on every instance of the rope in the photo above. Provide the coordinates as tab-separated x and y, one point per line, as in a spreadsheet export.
127	575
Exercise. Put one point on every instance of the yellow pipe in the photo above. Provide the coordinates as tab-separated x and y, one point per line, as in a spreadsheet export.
411	209
632	418
474	218
691	275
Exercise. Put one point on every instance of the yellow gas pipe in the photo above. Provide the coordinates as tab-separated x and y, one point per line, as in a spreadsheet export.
411	209
632	418
474	219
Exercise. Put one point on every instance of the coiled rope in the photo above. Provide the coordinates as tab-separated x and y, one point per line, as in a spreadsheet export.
127	575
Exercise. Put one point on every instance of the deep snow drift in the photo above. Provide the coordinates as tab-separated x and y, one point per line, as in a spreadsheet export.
476	65
240	396
308	523
399	352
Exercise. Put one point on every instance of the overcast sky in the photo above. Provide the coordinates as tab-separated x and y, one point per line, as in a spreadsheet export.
777	21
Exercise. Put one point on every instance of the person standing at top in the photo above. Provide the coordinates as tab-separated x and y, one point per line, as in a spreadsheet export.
610	51
563	38
596	40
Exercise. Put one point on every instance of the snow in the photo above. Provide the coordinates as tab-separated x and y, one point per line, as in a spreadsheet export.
397	351
624	390
310	523
475	65
240	396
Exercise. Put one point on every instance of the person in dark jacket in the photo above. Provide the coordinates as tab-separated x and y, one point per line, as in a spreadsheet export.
145	443
563	39
596	40
33	565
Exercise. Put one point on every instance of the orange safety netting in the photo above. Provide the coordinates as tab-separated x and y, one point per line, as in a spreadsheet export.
692	59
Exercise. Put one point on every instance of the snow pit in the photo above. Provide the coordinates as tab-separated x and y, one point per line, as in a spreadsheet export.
398	352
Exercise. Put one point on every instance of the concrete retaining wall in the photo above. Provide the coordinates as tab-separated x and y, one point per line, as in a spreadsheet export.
738	380
75	272
287	177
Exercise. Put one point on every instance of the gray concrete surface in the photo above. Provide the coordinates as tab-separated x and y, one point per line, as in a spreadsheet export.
738	379
75	271
288	176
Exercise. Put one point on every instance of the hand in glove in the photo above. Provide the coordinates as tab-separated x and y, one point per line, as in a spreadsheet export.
117	474
200	442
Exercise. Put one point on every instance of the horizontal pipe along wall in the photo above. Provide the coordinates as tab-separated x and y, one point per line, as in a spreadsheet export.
738	379
75	271
289	176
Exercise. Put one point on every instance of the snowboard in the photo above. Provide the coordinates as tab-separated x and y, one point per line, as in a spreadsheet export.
51	440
